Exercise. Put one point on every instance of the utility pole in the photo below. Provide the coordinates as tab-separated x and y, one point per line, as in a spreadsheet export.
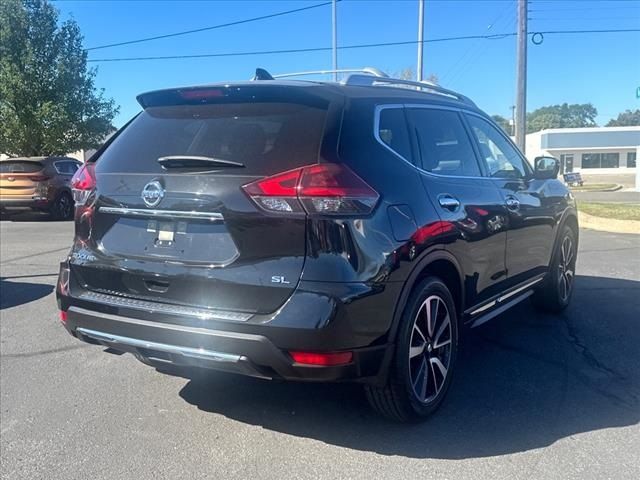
521	77
420	38
334	23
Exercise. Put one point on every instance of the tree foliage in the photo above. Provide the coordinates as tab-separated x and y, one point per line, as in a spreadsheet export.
48	100
628	118
503	123
562	116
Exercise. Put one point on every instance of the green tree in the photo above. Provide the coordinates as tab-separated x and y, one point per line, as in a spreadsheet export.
503	123
48	100
562	116
628	118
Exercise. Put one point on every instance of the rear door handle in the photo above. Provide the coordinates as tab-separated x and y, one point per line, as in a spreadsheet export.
512	203
448	202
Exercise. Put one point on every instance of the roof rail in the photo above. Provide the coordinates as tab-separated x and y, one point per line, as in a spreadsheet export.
370	80
262	74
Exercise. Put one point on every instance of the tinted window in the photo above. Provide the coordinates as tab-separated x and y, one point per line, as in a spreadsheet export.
66	168
392	131
600	160
444	145
20	167
502	158
265	137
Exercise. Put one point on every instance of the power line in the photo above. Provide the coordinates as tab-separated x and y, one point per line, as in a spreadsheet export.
213	27
304	50
495	36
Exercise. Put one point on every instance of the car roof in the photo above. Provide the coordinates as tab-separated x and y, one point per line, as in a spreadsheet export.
39	159
389	93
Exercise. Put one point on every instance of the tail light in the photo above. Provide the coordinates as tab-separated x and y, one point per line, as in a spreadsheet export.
322	189
83	183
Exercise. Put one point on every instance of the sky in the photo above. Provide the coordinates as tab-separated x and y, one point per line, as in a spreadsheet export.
602	69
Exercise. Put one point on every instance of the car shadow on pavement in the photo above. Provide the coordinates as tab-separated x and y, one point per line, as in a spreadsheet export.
27	216
523	382
13	294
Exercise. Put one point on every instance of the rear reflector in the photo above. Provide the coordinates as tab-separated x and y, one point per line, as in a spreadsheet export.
63	316
322	189
322	359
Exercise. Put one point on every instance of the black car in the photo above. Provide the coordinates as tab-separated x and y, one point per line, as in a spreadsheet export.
313	231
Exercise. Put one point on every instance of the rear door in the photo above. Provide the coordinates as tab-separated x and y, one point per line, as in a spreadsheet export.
468	203
533	206
188	234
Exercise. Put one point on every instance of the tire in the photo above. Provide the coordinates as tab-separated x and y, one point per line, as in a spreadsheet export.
411	394
62	208
555	293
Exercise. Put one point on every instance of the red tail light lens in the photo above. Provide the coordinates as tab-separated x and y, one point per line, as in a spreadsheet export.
202	94
83	183
63	316
322	359
323	189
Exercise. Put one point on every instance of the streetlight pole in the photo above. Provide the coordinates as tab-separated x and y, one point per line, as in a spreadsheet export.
521	77
420	38
334	24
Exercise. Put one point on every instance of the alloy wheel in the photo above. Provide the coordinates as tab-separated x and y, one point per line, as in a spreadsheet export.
565	268
430	349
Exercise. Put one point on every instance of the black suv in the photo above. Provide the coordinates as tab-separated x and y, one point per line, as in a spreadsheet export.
313	231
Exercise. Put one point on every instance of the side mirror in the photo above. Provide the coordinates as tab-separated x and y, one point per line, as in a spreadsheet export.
546	168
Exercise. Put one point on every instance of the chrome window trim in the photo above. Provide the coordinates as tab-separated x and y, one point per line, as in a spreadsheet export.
376	128
153	213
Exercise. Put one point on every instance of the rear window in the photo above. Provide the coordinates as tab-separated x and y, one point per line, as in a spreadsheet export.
20	167
265	137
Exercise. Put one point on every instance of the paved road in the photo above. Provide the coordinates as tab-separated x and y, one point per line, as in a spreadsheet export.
535	396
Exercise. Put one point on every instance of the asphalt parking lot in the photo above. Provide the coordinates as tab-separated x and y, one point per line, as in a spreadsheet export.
535	396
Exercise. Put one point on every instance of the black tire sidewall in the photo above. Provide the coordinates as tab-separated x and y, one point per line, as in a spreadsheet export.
56	214
429	286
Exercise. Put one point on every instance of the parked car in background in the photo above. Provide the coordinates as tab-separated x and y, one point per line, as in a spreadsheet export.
313	231
39	183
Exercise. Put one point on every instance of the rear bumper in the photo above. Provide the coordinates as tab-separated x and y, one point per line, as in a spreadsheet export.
23	201
316	322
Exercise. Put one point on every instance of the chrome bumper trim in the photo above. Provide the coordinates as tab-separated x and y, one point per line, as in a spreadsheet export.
198	353
155	307
141	212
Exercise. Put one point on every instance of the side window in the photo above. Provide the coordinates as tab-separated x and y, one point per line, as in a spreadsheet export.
444	145
502	158
392	131
73	167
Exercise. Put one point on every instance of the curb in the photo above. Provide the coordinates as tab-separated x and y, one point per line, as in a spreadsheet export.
612	225
611	189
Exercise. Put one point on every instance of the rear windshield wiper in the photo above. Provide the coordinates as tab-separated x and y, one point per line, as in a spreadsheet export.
195	161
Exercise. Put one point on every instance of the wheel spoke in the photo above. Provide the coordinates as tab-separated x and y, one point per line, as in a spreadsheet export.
569	254
435	361
416	329
420	382
446	322
417	350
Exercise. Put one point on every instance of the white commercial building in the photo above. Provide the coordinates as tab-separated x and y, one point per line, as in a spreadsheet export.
588	150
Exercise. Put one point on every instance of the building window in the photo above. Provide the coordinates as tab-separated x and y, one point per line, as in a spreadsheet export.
600	160
631	159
